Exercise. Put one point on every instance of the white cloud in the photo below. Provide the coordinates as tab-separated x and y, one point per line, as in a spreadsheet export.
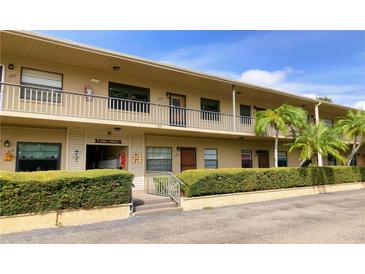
266	78
353	95
215	58
359	105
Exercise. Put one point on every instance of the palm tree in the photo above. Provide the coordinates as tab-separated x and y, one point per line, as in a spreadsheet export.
353	127
319	139
280	119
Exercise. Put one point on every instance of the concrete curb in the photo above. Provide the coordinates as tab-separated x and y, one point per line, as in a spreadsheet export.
193	203
30	221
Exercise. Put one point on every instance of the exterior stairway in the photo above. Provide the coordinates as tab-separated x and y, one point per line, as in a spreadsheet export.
147	204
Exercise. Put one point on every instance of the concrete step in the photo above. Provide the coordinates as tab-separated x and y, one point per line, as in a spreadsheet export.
156	211
166	204
137	201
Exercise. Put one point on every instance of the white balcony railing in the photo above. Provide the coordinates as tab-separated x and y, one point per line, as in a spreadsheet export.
28	99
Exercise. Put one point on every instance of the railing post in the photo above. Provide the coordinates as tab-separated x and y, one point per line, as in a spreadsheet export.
234	107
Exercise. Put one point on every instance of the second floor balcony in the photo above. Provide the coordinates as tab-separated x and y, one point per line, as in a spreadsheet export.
64	104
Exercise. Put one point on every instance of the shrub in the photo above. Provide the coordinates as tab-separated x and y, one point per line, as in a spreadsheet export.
25	192
232	180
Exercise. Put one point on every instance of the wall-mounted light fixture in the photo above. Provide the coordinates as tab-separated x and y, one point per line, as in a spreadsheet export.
11	66
178	149
116	68
117	129
6	143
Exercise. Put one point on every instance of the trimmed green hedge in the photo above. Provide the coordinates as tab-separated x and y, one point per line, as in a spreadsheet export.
232	180
25	192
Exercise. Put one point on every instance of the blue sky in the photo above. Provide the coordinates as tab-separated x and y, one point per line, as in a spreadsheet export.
309	63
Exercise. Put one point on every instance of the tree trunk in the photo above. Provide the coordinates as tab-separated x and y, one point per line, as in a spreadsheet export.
355	149
302	163
276	147
293	131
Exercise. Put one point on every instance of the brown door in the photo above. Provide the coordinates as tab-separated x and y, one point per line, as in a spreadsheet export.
263	156
188	158
362	160
177	110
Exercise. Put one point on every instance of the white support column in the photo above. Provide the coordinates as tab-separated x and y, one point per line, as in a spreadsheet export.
234	107
316	113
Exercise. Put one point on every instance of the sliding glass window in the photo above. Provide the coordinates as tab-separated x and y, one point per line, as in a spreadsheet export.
38	156
127	97
209	109
41	85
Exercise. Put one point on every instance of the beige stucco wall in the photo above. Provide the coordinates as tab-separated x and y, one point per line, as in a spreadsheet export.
75	79
229	151
28	134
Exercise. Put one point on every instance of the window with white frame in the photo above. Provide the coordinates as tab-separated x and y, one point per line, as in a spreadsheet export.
210	158
41	85
159	159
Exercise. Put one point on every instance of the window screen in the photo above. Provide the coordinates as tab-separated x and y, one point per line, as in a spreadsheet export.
210	158
159	159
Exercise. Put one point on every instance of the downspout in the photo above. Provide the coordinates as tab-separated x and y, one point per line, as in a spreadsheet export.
234	107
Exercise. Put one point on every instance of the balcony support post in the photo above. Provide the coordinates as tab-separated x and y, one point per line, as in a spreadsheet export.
234	107
316	113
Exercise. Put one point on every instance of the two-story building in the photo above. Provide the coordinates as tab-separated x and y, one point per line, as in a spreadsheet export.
69	106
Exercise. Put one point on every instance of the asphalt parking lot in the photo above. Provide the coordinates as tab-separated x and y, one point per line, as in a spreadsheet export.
325	218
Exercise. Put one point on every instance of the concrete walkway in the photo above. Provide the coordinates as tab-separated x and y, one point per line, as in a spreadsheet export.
324	218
